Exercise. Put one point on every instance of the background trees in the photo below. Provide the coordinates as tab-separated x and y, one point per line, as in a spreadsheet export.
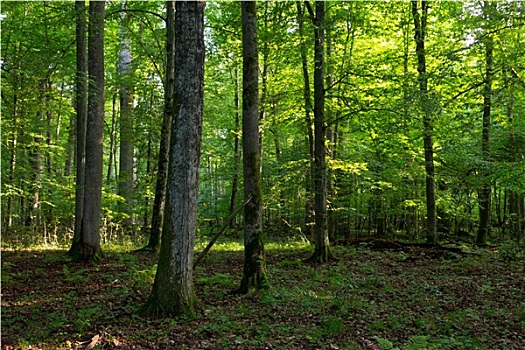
376	167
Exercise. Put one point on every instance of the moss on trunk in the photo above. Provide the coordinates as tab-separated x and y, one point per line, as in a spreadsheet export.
83	252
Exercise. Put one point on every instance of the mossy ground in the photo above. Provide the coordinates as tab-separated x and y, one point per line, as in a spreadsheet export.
363	299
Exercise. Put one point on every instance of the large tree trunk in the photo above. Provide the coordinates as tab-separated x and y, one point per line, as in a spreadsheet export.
126	155
87	248
173	292
162	165
81	117
420	25
322	245
254	271
484	194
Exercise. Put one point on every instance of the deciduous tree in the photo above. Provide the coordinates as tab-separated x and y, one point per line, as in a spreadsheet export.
173	292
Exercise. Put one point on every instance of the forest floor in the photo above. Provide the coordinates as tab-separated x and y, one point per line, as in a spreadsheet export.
410	298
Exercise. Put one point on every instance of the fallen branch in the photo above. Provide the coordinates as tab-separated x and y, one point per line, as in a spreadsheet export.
221	231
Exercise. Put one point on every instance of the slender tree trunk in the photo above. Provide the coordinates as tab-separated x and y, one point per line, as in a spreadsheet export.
157	218
236	150
254	271
309	208
322	245
484	194
71	141
127	143
112	139
88	247
420	25
173	292
145	223
35	160
331	135
513	216
81	100
13	159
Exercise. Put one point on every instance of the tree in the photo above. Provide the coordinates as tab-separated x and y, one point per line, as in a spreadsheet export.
322	245
484	196
173	292
81	116
254	270
87	246
420	28
309	217
126	155
163	158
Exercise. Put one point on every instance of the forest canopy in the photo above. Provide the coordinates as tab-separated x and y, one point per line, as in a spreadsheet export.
376	117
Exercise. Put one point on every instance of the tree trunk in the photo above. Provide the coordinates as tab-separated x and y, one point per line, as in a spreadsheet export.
126	155
484	194
112	140
71	141
322	245
420	25
81	117
163	160
173	292
513	215
254	271
309	217
236	151
87	248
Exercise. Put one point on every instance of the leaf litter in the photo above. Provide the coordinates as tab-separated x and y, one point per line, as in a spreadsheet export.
364	299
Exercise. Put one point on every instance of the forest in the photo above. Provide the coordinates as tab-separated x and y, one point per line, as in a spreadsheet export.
263	174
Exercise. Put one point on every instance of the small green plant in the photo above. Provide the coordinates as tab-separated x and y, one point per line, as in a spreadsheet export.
295	263
511	252
415	342
333	325
220	279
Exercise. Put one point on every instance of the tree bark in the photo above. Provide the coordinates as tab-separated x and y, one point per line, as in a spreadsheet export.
420	25
157	217
173	292
87	248
254	271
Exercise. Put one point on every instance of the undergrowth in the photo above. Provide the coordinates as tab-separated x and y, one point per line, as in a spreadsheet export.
363	299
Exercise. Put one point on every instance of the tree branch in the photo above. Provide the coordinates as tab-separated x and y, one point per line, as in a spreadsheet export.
136	10
218	234
310	9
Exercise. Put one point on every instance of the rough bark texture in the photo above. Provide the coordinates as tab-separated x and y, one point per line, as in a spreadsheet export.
88	245
127	142
420	24
322	245
254	271
157	217
485	193
173	292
